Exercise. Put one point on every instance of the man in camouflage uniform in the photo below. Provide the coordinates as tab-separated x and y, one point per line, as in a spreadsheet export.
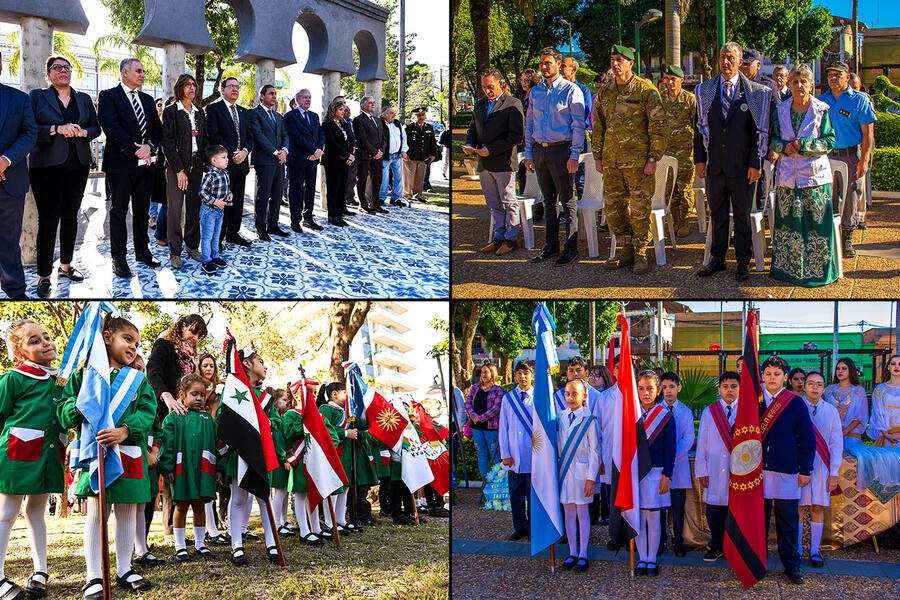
629	137
681	117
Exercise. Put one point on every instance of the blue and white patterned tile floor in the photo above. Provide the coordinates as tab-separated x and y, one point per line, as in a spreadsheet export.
401	255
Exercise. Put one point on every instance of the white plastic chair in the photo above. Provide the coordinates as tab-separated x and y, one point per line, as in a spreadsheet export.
471	173
700	203
840	167
592	202
756	236
769	206
525	204
660	207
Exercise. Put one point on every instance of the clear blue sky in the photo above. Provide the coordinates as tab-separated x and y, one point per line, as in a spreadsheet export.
874	13
798	316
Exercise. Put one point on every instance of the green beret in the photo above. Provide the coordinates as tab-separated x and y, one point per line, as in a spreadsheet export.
623	51
675	70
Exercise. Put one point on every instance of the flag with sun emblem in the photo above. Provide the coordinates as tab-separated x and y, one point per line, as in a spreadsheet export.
546	521
434	435
244	426
386	423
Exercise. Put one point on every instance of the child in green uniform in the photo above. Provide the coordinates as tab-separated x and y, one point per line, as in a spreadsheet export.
207	367
381	456
278	479
188	462
130	434
294	436
31	447
335	417
239	505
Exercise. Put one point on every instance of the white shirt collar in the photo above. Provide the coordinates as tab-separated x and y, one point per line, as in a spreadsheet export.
127	89
527	393
229	104
733	406
190	112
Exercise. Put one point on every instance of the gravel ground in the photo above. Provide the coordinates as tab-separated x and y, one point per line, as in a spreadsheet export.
476	576
476	275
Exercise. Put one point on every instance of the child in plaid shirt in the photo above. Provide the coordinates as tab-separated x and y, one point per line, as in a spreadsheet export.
216	195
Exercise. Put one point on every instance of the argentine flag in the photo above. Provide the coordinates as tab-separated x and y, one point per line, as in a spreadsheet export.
546	522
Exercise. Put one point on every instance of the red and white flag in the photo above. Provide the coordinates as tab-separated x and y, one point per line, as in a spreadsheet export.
434	435
386	423
321	462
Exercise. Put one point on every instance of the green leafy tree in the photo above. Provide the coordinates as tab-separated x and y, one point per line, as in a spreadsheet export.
505	327
770	29
441	348
597	25
463	62
110	64
62	45
578	323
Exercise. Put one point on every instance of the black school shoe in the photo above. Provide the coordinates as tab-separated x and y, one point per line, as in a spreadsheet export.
138	585
569	562
209	268
272	553
182	556
95	595
38	588
581	565
238	558
148	560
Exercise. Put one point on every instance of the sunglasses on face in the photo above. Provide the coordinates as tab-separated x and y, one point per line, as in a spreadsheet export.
61	68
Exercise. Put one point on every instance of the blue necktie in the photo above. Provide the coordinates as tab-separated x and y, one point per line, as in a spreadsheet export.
728	413
726	98
571	418
272	116
815	408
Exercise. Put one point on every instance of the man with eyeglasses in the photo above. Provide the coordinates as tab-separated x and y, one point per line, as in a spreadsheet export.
128	118
229	126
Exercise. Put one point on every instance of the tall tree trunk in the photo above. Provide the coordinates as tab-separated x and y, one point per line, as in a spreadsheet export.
480	13
673	33
200	76
347	318
461	350
855	30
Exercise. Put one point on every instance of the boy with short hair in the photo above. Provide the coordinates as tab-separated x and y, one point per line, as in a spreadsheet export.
712	464
215	195
514	434
681	477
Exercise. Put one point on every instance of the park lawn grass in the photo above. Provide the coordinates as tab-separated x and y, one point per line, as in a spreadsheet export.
384	563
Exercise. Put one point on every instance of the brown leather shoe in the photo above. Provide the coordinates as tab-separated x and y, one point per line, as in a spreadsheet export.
625	258
641	265
506	247
492	247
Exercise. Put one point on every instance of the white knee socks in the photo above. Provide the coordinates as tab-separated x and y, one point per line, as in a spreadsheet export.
123	535
37	530
300	511
340	509
648	538
211	519
180	543
199	537
140	531
577	516
584	530
313	516
267	525
280	506
236	515
571	515
9	510
815	530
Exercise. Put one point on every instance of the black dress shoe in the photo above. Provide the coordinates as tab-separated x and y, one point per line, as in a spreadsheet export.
313	225
296	228
263	235
278	231
515	536
348	213
711	269
679	550
567	257
138	585
743	273
546	253
337	222
149	261
794	575
72	274
378	209
367	210
238	239
352	203
43	289
120	268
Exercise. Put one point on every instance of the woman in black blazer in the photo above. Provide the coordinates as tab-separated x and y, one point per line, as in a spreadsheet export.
183	143
337	159
59	166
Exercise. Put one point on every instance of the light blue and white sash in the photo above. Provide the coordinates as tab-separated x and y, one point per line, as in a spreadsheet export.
519	409
571	447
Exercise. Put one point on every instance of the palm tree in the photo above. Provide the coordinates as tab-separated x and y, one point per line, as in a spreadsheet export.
675	13
855	31
108	64
62	45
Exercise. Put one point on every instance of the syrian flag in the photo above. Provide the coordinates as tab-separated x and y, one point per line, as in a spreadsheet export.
630	453
745	541
434	436
324	472
244	426
386	423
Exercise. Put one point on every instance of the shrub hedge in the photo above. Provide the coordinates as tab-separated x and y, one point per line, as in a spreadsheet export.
460	119
887	130
886	169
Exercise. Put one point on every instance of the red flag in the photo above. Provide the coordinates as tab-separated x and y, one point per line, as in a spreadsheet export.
745	538
611	357
433	435
324	472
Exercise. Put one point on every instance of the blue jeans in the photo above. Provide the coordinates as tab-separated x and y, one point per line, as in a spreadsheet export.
210	228
161	222
487	445
391	165
154	209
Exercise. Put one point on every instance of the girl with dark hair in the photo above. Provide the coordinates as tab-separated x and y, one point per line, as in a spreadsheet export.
885	425
796	380
850	399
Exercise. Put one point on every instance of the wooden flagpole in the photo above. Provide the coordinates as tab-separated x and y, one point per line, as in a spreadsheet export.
552	559
334	529
275	532
104	534
631	556
415	508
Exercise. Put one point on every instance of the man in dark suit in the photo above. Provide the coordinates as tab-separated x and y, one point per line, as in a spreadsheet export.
129	119
370	150
729	142
788	452
268	157
351	174
228	125
307	141
497	128
18	135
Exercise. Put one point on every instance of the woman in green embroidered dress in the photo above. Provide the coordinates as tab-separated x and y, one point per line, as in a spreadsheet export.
803	246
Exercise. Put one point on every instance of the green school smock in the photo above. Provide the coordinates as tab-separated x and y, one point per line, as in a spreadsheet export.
156	440
30	404
189	435
333	416
278	479
227	464
292	431
138	417
376	449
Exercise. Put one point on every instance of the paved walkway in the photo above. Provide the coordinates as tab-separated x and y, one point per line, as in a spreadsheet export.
399	255
484	565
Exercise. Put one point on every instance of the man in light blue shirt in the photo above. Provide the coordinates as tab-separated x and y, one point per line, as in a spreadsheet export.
853	118
554	139
570	71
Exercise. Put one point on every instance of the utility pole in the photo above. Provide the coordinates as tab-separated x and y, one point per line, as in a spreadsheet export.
659	317
401	69
592	327
896	326
834	343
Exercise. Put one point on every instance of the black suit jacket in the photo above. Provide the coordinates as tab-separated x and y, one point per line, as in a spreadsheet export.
52	150
338	145
220	130
500	132
119	123
305	138
369	137
176	136
733	141
268	138
790	446
18	134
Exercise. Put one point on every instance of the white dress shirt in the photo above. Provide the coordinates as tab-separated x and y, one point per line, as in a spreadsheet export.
192	117
713	459
228	106
585	464
515	441
779	486
684	437
604	409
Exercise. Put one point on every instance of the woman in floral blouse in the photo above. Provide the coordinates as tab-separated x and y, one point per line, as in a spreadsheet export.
483	410
803	246
849	397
